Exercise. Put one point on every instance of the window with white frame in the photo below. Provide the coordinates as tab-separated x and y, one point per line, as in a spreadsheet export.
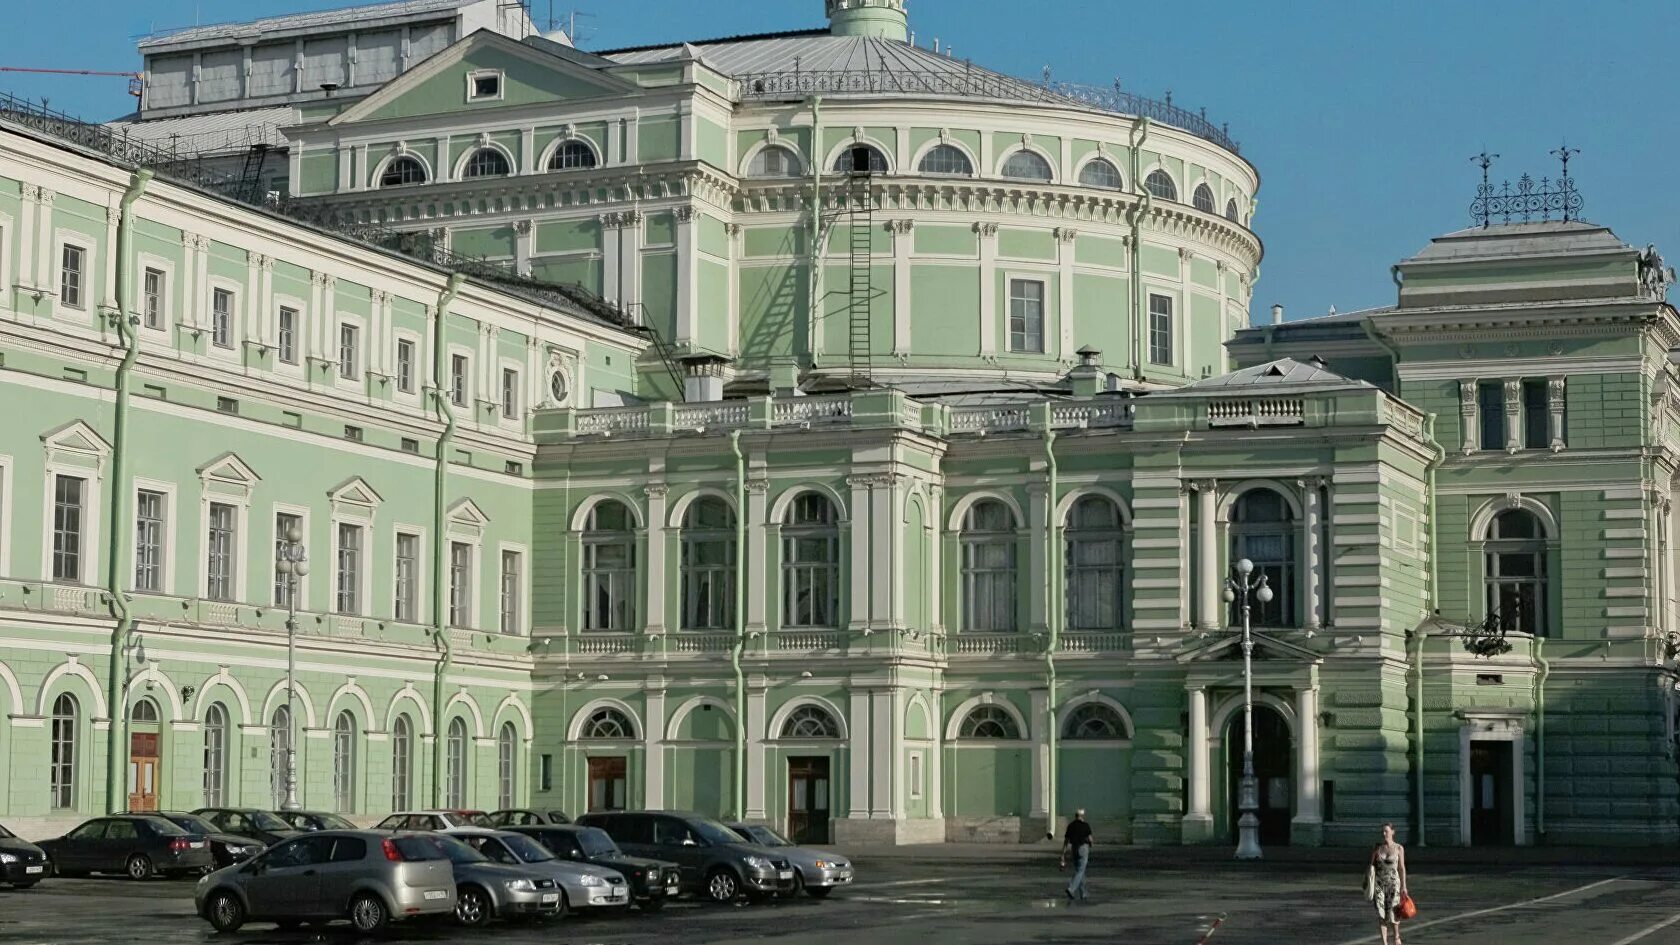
349	351
220	550
402	762
773	161
946	160
1026	315
344	763
287	323
989	723
152	297
221	318
458	380
1095	541
811	563
1027	165
484	85
510	393
513	567
61	772
572	156
69	527
1202	198
407	576
1160	329
988	567
72	276
1101	173
487	162
402	171
1160	184
215	755
349	595
1095	721
460	584
405	365
150	507
507	765
284	523
279	746
916	782
708	565
609	568
1515	557
1263	530
455	764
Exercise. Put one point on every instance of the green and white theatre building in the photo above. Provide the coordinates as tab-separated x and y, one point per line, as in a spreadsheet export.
880	483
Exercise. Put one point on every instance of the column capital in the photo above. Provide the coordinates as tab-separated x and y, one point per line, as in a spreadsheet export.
986	230
685	214
656	490
757	486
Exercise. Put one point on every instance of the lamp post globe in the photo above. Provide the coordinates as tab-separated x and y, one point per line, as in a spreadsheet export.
1245	567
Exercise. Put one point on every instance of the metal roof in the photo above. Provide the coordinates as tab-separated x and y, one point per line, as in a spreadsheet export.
1280	376
1516	240
346	16
210	132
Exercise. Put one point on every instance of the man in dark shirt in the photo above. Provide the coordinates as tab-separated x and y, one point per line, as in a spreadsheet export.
1077	844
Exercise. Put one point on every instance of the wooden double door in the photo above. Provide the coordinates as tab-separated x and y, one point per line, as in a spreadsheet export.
145	766
809	800
608	783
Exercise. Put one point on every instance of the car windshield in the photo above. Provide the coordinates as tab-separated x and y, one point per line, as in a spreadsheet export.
765	837
527	849
596	842
332	822
476	820
164	827
191	822
263	820
712	832
457	851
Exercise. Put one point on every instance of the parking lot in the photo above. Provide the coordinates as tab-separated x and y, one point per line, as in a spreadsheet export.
985	897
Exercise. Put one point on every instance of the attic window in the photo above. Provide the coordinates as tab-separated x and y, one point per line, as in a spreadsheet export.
1274	371
484	86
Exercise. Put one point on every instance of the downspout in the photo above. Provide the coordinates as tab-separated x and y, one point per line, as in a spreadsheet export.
1433	607
116	764
736	651
440	535
1146	201
1540	738
1053	614
813	306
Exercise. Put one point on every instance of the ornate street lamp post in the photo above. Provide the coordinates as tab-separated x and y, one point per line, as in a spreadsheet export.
292	563
1248	789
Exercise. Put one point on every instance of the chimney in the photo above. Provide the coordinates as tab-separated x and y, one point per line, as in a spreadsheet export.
1277	314
703	378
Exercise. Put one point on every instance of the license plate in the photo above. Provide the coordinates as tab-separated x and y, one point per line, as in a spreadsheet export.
437	894
197	844
550	897
786	874
618	891
34	869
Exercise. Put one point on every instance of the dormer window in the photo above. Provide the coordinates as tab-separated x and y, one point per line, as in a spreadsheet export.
484	85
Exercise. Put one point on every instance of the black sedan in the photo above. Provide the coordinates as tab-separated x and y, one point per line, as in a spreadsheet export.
22	864
226	848
312	820
138	845
249	822
651	881
515	817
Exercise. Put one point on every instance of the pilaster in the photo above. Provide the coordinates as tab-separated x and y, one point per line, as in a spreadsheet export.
688	278
858	503
903	243
653	748
1066	238
1207	555
657	565
757	554
988	286
755	751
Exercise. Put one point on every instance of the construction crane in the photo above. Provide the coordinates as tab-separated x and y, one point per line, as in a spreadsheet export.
136	80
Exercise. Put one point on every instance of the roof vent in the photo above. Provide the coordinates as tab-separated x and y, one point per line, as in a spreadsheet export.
1316	361
1274	371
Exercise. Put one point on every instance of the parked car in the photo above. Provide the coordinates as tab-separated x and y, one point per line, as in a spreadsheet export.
225	848
651	881
503	819
138	845
485	890
817	872
442	821
249	822
366	877
22	864
715	862
583	886
313	820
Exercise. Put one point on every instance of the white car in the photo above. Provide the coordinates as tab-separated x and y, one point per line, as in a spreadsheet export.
585	886
437	821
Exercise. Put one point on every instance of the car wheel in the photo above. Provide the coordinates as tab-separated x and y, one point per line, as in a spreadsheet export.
722	886
139	866
368	913
818	892
225	912
798	882
565	906
472	906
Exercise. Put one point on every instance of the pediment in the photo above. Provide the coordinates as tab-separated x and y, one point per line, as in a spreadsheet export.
77	437
467	512
1266	648
229	468
355	491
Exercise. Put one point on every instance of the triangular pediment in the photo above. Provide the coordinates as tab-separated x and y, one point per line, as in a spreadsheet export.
355	491
1228	646
467	512
228	467
76	436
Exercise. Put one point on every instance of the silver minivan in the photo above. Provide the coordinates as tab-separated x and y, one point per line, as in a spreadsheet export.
368	877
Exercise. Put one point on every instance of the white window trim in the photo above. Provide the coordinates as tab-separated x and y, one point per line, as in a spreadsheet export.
803	162
1143	176
7	233
8	499
460	173
92	507
236	333
300	338
524	603
302	594
1049	161
467	391
137	305
166	570
474	75
386	162
421	374
554	146
61	238
420	563
916	773
521	396
364	580
915	165
1045	279
1175	294
1092	158
471	534
241	544
833	156
362	360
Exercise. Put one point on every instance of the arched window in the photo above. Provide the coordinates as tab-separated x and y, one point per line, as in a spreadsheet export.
62	777
455	764
1203	198
215	755
487	162
810	721
1160	183
144	711
1095	541
608	723
1027	165
774	161
507	765
871	158
1094	721
279	744
811	563
1263	531
988	544
572	155
1231	210
344	763
1101	173
708	565
989	722
948	160
403	171
402	763
1515	550
609	568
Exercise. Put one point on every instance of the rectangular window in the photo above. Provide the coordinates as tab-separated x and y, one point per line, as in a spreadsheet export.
284	523
1490	404
227	405
151	298
405	366
407	578
148	540
915	775
68	495
1160	329
1537	419
458	380
349	569
1026	315
219	560
72	276
545	769
287	350
460	584
511	580
221	318
348	352
510	393
484	85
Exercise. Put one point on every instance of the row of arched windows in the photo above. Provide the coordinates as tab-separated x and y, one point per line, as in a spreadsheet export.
1095	721
406	169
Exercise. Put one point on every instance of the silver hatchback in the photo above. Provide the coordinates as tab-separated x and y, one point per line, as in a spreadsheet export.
365	876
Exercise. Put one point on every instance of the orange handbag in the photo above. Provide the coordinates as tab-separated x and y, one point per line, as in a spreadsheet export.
1407	909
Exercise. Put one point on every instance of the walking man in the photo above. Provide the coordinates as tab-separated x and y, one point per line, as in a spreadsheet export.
1076	843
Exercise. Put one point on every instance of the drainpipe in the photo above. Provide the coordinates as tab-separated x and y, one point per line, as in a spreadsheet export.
813	313
1146	200
1052	613
1434	607
440	534
736	651
116	686
1540	738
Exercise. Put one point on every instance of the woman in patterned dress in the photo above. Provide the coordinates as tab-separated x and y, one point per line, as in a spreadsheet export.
1388	882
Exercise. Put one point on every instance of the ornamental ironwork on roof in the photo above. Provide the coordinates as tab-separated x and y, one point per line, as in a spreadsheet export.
1529	200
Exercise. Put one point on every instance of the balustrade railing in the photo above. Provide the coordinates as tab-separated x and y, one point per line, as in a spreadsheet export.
605	645
722	415
613	420
797	410
1256	412
972	644
810	640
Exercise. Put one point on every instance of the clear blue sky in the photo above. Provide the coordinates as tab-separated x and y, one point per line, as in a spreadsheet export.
1361	115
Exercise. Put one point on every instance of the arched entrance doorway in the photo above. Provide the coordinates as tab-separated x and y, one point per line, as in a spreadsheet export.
145	756
1273	766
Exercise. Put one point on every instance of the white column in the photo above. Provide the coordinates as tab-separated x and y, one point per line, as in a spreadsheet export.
633	139
28	208
631	239
903	243
883	539
611	287
653	750
1513	414
688	261
1207	555
988	287
1467	419
656	564
362	172
250	327
736	234
1038	520
1554	411
346	170
757	553
883	763
1201	788
857	724
1312	532
1307	773
1065	246
50	255
112	214
1668	563
859	576
936	560
522	246
1039	727
528	152
755	752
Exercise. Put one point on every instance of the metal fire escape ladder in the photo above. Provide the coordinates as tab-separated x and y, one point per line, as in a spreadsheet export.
860	219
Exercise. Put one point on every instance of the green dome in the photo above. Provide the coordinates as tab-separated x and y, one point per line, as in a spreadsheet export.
883	19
